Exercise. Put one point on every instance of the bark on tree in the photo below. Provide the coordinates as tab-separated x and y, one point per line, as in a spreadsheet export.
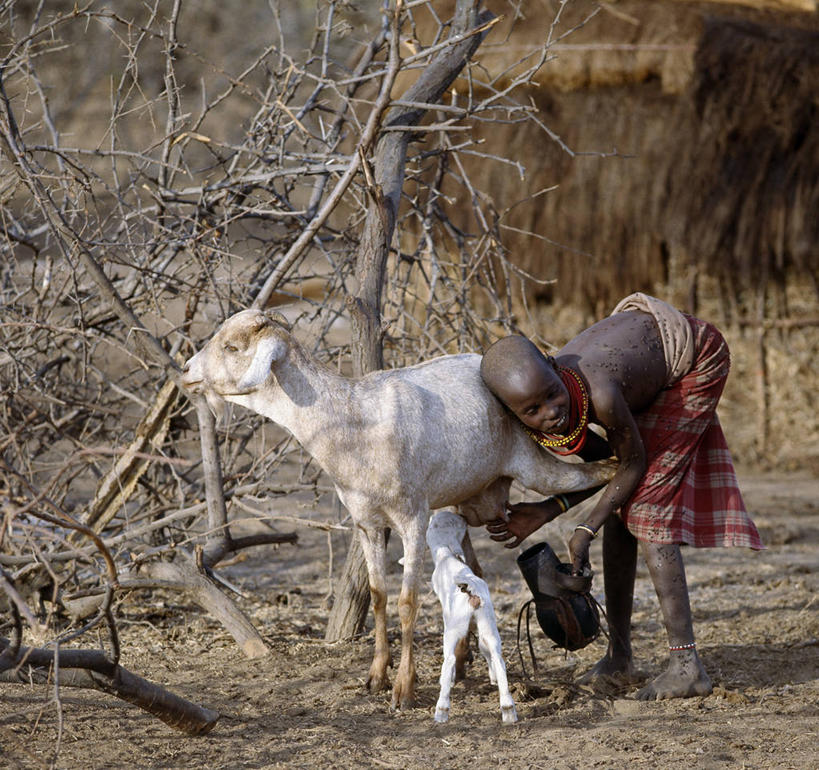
352	596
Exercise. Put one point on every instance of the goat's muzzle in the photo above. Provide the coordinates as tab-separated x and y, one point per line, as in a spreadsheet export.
191	380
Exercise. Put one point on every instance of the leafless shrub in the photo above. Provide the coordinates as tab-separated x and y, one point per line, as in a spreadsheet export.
157	176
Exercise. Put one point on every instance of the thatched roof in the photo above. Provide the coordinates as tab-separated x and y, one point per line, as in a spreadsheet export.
620	42
716	135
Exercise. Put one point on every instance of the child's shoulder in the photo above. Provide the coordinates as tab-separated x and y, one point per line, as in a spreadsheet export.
616	335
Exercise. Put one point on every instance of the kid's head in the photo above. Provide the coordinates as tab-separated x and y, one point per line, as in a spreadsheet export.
516	371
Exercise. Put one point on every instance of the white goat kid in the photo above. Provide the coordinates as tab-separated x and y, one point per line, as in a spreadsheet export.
464	596
396	443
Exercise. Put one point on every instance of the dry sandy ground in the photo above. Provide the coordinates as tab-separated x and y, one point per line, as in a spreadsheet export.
756	616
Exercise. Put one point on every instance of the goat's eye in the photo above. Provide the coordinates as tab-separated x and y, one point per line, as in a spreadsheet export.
231	348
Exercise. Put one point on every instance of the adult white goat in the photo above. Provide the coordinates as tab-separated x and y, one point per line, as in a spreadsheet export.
464	597
396	443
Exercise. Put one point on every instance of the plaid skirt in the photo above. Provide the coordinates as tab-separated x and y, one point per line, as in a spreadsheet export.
689	494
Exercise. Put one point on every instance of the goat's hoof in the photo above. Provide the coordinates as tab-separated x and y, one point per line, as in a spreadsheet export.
442	715
402	702
376	684
508	715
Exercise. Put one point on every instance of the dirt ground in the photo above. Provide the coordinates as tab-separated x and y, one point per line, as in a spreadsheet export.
756	617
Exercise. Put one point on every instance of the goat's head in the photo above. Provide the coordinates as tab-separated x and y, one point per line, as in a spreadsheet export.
238	358
446	529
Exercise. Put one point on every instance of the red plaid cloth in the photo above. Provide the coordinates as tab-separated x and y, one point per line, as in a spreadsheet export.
689	493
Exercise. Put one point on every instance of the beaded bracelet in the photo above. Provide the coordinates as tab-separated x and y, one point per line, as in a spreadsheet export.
680	647
563	502
587	528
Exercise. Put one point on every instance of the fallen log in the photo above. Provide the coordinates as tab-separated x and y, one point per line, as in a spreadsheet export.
91	669
185	577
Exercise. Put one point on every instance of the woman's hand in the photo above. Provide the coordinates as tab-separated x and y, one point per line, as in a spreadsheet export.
521	520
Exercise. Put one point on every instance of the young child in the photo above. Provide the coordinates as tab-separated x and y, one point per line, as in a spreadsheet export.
651	376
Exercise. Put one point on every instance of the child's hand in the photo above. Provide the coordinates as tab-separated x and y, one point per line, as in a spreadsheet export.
579	551
521	520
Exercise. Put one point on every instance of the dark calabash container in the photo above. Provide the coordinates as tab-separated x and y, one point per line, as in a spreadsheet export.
565	610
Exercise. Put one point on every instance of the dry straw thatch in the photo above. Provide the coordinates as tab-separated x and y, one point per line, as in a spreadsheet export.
711	121
751	200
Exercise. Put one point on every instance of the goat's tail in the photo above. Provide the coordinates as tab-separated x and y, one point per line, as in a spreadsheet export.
475	588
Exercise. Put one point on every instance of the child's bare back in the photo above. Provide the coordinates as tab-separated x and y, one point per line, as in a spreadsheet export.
622	352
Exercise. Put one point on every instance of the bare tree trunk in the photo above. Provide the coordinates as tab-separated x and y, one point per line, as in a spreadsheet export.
218	533
352	598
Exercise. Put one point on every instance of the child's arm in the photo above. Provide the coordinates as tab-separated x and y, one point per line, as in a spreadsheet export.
526	518
624	438
522	520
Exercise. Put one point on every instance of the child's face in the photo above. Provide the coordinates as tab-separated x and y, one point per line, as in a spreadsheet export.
538	397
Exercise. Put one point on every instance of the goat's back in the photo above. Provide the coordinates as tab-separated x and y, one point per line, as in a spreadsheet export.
446	428
459	590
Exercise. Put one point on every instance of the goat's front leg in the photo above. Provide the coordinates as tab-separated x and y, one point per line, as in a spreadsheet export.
403	690
374	545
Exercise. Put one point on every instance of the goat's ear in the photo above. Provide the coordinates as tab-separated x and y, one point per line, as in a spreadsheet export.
278	318
268	351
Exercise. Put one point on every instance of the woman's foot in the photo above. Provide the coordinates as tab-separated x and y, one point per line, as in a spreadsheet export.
685	677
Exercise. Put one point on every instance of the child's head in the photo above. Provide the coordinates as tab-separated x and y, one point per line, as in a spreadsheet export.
515	370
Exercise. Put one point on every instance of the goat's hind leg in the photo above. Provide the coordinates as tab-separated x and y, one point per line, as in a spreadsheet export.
486	651
447	675
463	653
478	510
490	644
374	545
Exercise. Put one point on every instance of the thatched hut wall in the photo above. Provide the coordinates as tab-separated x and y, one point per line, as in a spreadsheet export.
709	124
752	145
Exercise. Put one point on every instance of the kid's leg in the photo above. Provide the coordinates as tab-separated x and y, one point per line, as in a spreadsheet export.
685	675
619	569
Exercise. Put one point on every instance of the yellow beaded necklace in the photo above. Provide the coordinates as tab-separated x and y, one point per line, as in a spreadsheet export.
572	442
